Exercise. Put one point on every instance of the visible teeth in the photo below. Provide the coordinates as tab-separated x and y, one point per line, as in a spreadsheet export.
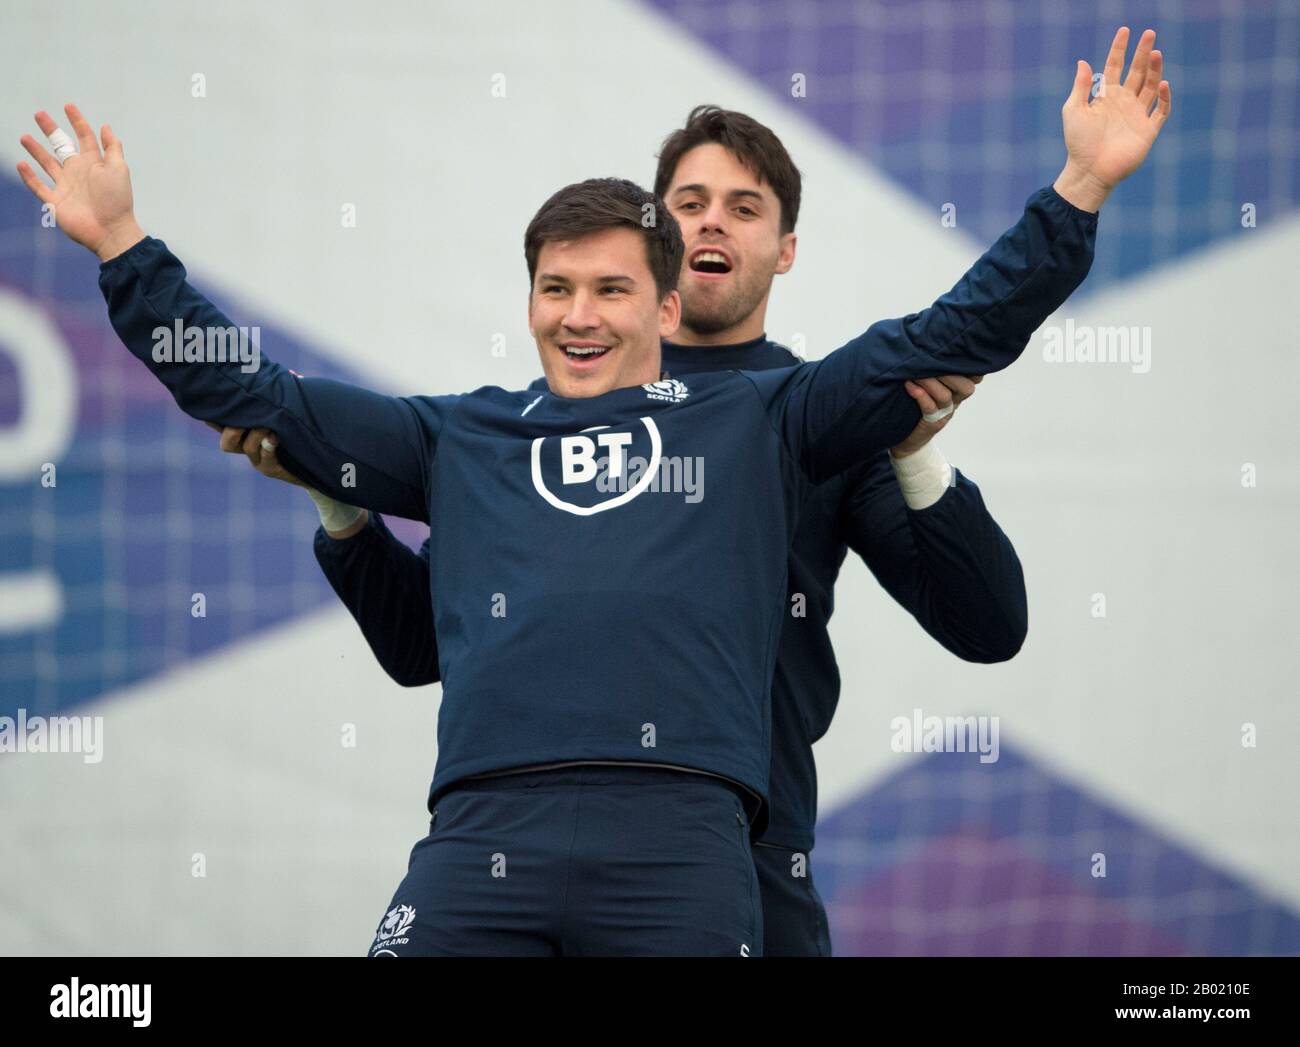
711	256
590	350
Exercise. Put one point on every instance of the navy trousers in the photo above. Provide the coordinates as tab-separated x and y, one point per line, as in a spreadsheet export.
580	861
794	918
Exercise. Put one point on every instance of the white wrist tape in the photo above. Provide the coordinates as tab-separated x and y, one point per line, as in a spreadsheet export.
64	146
334	515
923	476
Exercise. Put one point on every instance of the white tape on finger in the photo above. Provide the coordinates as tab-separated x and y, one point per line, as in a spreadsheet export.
941	414
64	146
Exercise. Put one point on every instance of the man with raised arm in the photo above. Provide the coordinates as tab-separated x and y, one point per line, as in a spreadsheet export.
606	657
919	524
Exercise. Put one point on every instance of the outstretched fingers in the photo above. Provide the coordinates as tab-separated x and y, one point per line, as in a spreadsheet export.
1137	71
1164	105
49	163
86	141
43	157
112	144
46	123
1115	60
39	189
1147	96
1081	89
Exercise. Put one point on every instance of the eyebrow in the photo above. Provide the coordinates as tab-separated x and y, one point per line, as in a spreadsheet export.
695	187
611	279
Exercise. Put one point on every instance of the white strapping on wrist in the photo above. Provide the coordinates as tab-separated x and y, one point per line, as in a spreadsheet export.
334	515
923	476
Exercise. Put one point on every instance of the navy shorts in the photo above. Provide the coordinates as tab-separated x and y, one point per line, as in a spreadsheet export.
794	918
580	861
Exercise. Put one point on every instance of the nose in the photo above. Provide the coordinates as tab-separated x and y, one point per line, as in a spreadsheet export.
713	218
581	315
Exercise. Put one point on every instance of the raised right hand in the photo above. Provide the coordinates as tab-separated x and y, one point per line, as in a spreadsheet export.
91	198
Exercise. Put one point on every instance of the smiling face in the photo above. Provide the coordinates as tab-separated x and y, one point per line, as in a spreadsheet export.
731	223
596	314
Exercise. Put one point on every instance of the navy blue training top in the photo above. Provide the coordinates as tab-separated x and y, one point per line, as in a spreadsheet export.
579	619
949	565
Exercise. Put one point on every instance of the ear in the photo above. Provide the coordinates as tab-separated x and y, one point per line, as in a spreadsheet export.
785	258
670	314
530	314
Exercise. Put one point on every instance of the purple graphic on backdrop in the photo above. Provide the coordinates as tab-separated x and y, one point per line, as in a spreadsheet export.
961	103
145	511
954	857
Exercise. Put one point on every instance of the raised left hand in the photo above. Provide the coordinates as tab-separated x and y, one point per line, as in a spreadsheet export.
1107	139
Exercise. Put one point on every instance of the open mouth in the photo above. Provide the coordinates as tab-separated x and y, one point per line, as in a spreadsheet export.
709	261
584	353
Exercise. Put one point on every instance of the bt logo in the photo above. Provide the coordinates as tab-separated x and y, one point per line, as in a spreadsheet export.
581	458
578	455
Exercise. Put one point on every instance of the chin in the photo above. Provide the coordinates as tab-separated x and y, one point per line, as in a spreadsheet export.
598	388
576	389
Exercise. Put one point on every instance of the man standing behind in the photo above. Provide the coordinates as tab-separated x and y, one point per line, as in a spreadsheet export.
919	524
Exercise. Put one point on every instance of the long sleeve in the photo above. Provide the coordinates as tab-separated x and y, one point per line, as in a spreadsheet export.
361	447
385	587
835	412
949	565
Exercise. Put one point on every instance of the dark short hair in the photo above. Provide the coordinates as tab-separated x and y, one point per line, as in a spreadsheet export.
609	203
753	144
